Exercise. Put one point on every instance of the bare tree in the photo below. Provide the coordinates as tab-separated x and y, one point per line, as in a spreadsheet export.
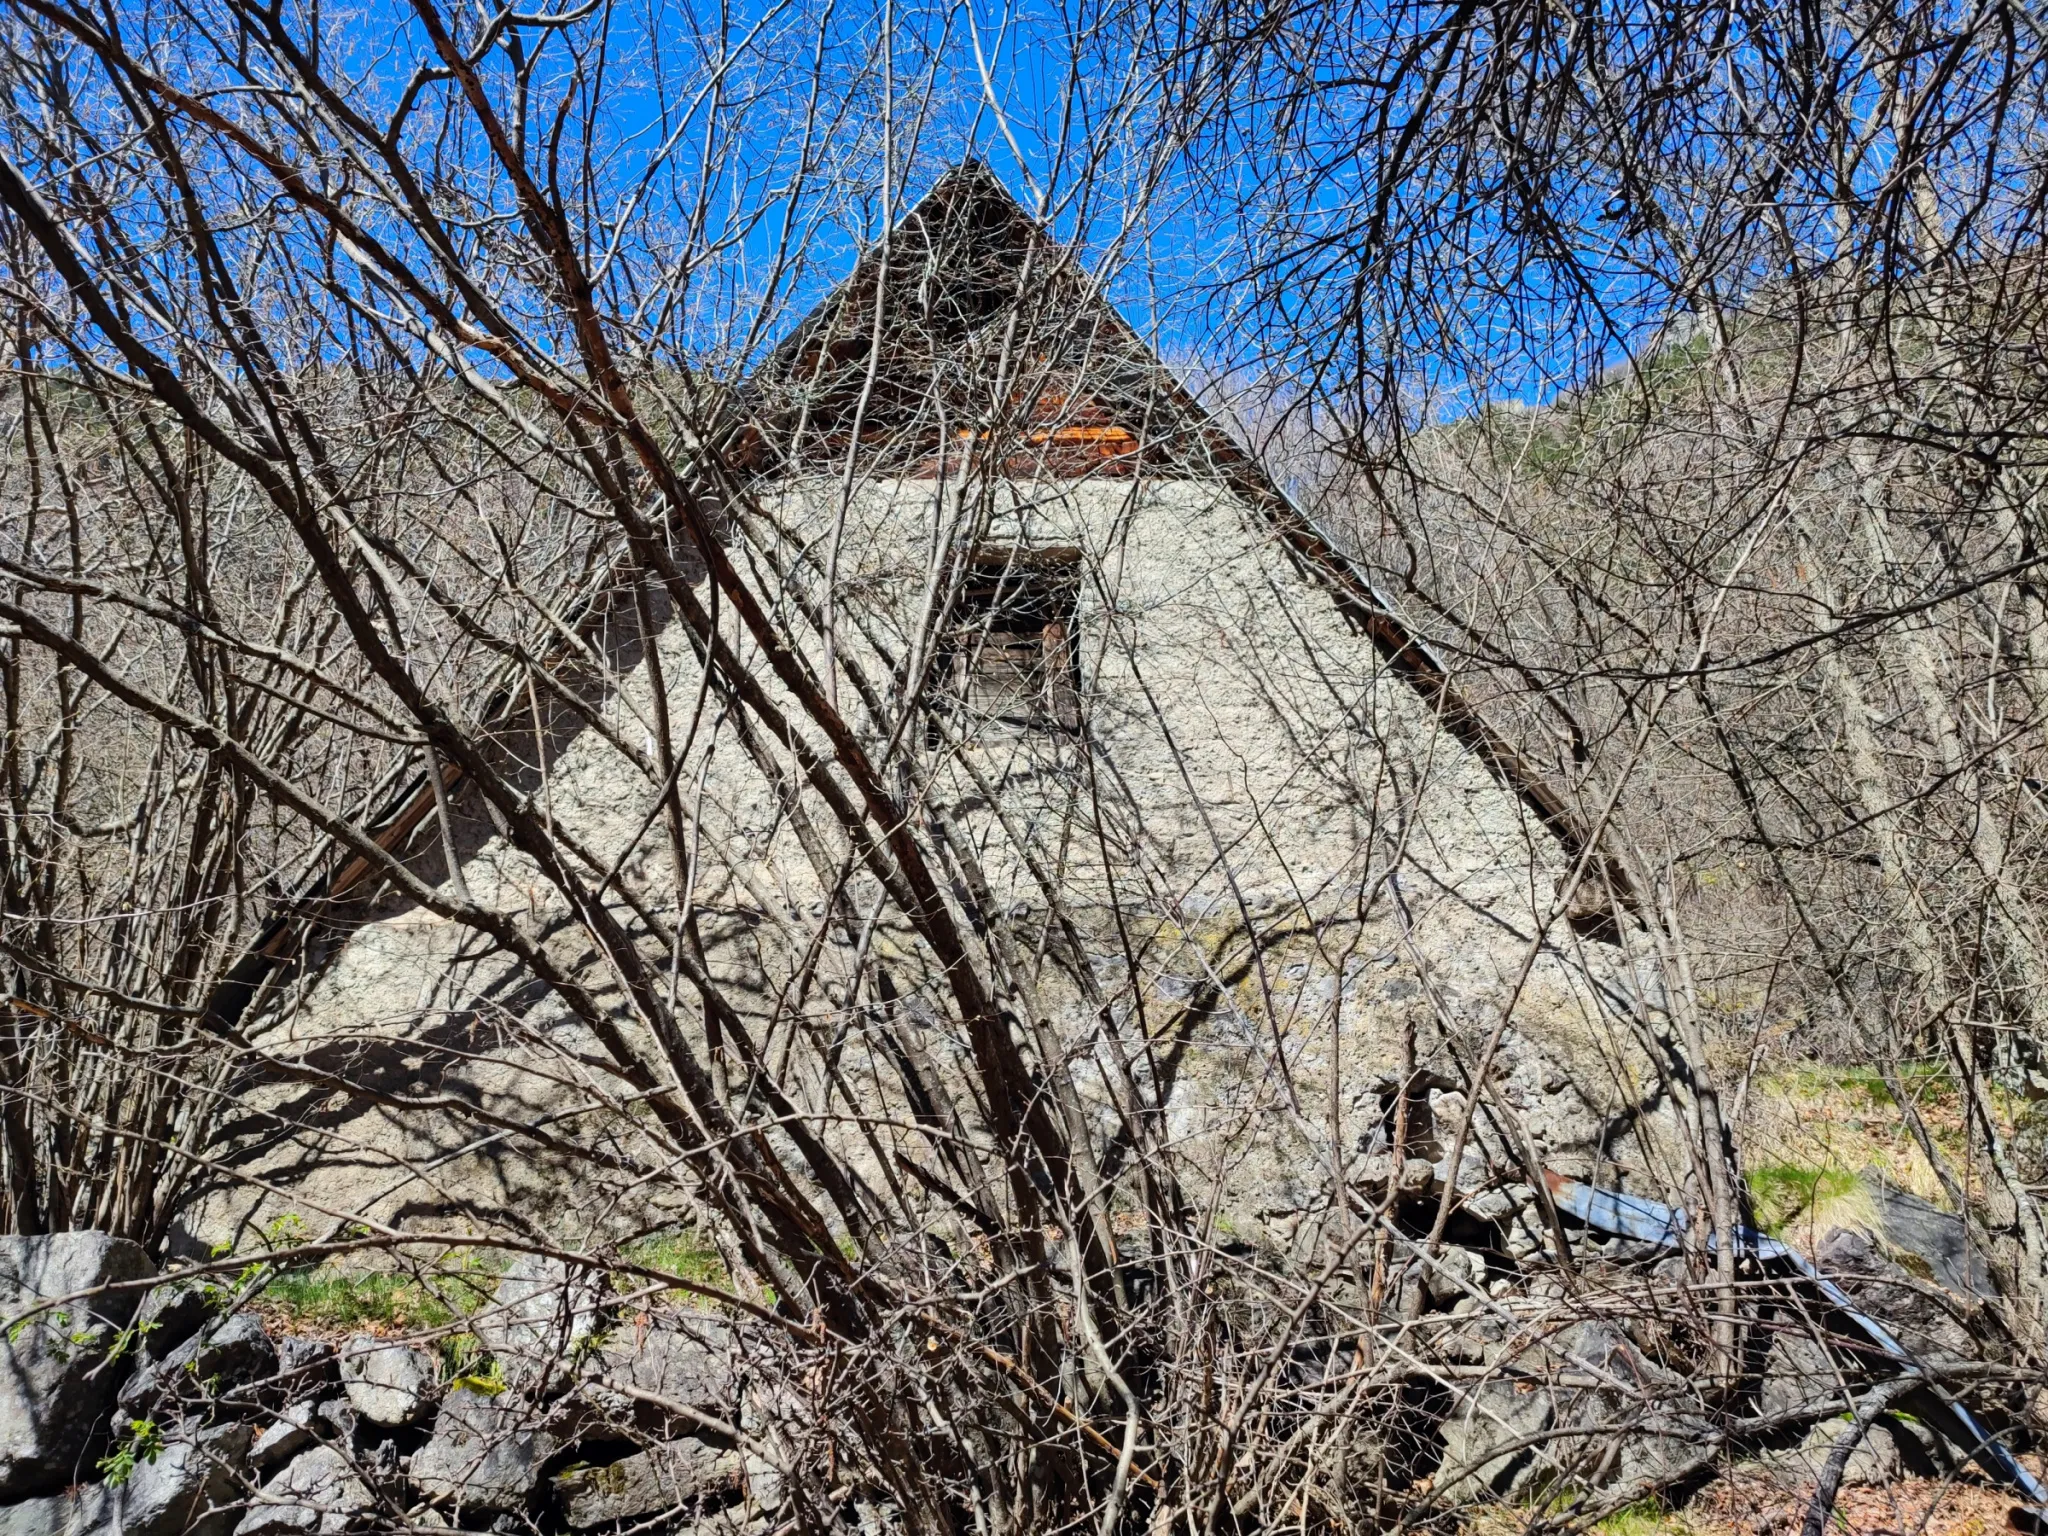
419	557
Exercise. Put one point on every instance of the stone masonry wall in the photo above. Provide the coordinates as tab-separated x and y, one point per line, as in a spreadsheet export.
1299	860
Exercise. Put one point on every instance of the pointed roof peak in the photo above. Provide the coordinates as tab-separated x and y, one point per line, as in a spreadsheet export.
968	211
967	181
966	324
944	350
973	171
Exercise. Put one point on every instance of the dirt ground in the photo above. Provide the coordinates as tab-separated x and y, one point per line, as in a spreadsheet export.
1754	1502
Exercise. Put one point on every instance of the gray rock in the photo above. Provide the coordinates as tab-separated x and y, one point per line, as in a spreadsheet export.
1472	1173
235	1353
1928	1320
1413	1177
1500	1203
1586	1409
765	1411
173	1312
1873	1463
287	1435
1468	1345
388	1384
1456	1272
2034	1410
339	1415
663	1477
57	1378
1930	1244
77	1511
188	1490
1922	1452
542	1311
317	1495
304	1364
767	1488
1489	1436
486	1453
1638	1425
688	1361
1799	1377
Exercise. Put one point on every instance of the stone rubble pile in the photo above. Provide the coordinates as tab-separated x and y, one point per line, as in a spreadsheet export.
144	1410
135	1404
1601	1373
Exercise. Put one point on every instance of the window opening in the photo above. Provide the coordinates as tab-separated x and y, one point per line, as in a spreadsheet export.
1010	655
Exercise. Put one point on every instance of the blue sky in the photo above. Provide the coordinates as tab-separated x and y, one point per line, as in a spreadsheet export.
734	158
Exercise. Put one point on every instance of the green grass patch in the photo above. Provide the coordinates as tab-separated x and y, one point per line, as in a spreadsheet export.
334	1302
1816	1080
1781	1193
1924	1082
329	1300
1645	1517
683	1253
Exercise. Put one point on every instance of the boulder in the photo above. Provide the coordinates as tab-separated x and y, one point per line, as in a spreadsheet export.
661	1478
339	1415
188	1490
58	1376
317	1495
769	1413
1497	1204
2033	1409
304	1365
233	1355
388	1384
1412	1178
1873	1463
1799	1377
74	1512
173	1312
542	1311
1492	1438
1455	1274
689	1360
656	1384
486	1454
284	1437
1585	1408
1930	1244
1928	1320
1637	1423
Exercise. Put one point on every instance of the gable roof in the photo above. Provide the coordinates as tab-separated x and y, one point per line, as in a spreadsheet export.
987	332
969	326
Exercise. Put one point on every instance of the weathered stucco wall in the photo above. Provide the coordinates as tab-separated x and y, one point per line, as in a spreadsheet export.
1271	827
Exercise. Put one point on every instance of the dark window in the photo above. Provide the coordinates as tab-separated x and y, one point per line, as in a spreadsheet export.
1010	654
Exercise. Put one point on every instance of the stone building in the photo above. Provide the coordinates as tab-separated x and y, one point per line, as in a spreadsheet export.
1184	774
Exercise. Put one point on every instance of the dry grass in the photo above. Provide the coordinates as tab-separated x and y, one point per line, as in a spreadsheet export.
1827	1129
1750	1501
